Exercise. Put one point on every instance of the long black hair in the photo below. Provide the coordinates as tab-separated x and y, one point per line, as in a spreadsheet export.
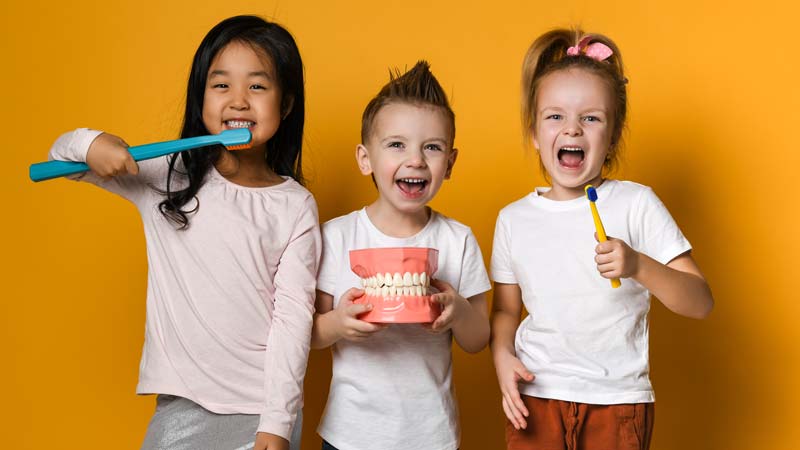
284	149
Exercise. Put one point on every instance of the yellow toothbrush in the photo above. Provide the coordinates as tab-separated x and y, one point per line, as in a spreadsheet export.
591	194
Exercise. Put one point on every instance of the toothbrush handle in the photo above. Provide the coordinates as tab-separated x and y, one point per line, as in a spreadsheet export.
54	169
601	236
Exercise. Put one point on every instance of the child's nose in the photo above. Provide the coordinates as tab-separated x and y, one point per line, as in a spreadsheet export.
416	158
573	128
238	100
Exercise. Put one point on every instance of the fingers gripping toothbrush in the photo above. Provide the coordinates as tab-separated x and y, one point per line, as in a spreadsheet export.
235	139
591	194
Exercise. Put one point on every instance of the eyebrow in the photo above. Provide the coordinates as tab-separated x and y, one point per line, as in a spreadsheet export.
559	109
438	139
403	138
396	137
257	73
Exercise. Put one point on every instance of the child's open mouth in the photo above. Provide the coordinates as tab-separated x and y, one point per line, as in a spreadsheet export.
570	157
412	187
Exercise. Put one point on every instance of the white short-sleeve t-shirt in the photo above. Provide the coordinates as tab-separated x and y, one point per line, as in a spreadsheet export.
394	390
584	341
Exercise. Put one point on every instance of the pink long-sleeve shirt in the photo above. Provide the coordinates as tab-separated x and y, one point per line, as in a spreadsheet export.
230	300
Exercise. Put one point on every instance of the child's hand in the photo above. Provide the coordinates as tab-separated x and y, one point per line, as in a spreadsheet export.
511	372
269	441
615	259
348	325
108	157
453	306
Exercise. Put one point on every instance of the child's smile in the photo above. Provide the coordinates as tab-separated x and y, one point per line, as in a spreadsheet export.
412	188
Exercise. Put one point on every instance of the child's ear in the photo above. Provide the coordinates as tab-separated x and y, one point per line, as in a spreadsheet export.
286	106
535	141
451	161
362	158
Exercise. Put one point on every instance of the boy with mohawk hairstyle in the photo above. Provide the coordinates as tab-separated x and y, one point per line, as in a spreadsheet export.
392	385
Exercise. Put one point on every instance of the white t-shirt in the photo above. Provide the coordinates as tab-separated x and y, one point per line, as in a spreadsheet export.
394	390
584	341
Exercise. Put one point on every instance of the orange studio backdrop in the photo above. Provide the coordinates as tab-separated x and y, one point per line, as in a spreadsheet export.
714	109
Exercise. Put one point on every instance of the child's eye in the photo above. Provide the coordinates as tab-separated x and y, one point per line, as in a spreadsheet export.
257	86
396	144
553	117
434	147
591	119
220	86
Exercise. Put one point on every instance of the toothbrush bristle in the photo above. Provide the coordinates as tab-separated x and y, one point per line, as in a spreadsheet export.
591	193
238	147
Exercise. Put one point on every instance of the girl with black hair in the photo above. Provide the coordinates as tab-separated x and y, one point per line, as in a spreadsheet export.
233	246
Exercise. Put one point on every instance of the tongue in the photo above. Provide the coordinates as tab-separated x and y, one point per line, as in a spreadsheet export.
411	188
571	159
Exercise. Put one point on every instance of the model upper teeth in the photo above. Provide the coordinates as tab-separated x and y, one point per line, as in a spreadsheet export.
239	123
412	180
392	285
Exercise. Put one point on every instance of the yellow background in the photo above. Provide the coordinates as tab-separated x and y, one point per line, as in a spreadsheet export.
713	129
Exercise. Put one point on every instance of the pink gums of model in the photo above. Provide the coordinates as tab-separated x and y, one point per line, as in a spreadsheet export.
396	282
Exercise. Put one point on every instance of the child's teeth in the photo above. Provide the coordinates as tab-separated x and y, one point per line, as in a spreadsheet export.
239	124
407	279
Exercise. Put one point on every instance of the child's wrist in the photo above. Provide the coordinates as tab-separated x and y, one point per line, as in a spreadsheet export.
336	325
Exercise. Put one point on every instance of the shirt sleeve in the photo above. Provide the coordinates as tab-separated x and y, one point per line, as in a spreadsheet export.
328	266
474	279
74	145
659	235
289	336
502	270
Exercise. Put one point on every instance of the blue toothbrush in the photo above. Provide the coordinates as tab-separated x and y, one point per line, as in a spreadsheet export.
232	139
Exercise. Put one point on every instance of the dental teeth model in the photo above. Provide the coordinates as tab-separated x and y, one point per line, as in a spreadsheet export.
396	281
406	284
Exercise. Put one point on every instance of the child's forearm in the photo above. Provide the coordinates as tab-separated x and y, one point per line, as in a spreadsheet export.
472	329
504	327
506	313
324	334
679	285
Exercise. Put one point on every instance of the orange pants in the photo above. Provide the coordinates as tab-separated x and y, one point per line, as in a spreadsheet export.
560	425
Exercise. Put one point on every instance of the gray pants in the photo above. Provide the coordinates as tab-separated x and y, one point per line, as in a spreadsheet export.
181	424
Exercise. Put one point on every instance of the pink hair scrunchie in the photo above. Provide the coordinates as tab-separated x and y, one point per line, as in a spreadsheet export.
597	50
